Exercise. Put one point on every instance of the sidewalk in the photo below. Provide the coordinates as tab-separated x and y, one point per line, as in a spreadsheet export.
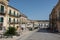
25	33
15	37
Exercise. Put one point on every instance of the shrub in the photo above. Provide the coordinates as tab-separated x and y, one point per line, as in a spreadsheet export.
10	32
30	29
36	28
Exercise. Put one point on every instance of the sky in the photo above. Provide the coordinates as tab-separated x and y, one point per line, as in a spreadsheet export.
34	9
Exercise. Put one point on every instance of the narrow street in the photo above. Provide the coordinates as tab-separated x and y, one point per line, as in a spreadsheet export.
42	34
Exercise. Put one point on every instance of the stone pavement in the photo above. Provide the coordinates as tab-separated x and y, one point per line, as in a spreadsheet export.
37	35
43	35
25	33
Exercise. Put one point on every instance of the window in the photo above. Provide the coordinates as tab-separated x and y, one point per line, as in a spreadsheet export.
2	9
1	19
14	20
17	14
9	11
59	15
17	20
9	19
14	13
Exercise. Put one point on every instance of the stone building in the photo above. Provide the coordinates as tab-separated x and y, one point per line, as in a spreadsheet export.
43	23
54	18
10	16
23	21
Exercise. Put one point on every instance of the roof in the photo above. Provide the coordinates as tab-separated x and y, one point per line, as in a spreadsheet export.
13	7
42	20
7	0
23	15
19	11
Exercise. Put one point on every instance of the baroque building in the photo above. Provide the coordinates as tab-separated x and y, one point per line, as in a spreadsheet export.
54	18
10	16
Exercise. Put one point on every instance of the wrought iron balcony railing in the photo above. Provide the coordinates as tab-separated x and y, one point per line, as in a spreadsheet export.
14	22
2	13
14	15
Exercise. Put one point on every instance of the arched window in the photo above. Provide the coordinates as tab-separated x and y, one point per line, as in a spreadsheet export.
10	12
9	19
14	20
1	19
1	8
14	13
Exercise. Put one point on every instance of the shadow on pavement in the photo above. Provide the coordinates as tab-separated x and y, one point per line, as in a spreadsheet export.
44	30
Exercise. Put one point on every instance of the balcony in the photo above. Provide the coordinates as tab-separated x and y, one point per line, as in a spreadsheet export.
13	15
17	16
1	22
17	22
2	13
13	22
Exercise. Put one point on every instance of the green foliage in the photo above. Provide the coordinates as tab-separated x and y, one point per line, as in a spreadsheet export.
11	31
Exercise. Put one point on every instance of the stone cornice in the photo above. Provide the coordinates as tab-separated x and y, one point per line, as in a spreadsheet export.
2	3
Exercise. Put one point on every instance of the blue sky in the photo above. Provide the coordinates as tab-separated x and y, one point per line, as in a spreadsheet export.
34	9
